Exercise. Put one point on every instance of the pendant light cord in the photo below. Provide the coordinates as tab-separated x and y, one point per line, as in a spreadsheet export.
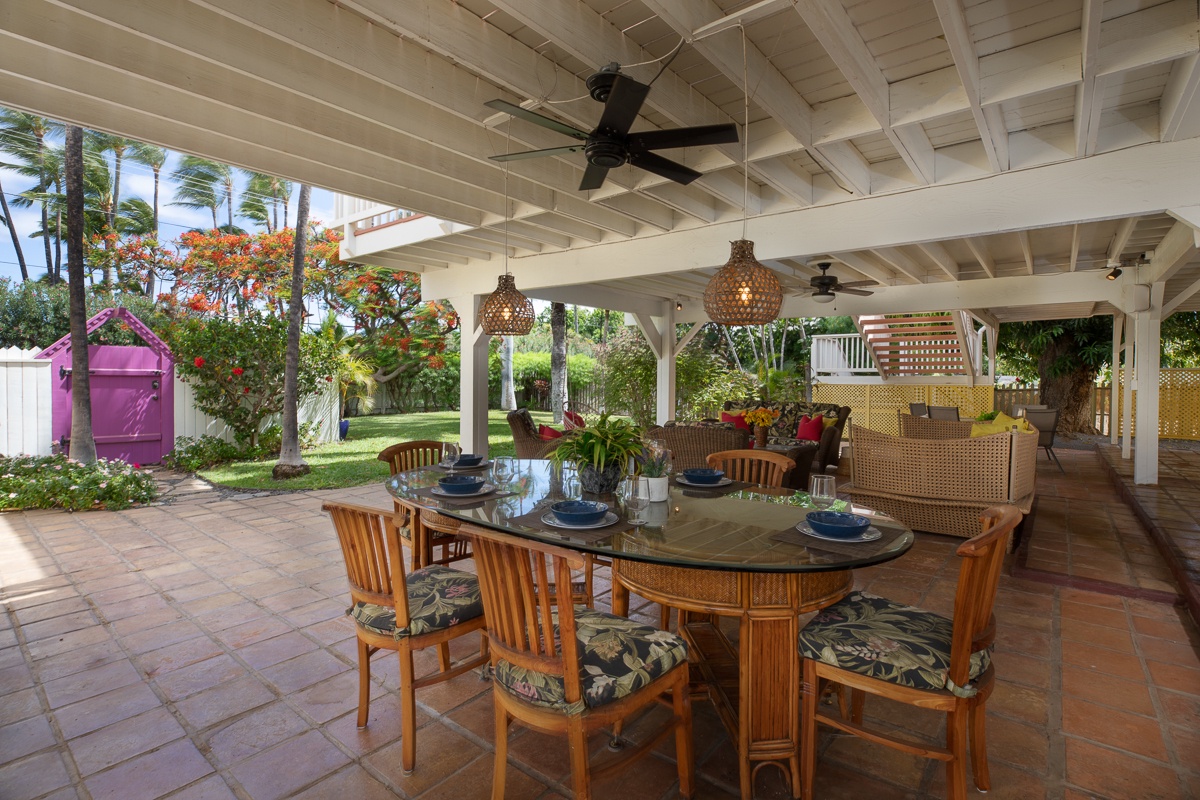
507	149
745	134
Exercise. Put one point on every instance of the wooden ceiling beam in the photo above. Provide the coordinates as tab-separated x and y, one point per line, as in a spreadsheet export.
869	269
1179	109
1119	241
989	121
902	262
979	249
1089	95
941	257
1026	250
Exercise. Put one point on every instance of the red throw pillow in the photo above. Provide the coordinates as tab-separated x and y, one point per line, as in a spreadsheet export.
810	428
738	419
546	432
573	420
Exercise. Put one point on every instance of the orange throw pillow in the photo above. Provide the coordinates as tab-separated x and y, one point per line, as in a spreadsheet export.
547	433
738	419
810	428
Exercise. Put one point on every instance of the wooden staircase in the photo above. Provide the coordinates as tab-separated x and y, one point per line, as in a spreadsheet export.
915	345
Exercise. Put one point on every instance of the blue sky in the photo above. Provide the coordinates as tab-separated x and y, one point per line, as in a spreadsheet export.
136	181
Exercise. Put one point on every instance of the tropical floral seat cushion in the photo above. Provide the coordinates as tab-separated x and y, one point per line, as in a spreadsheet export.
896	643
783	430
617	657
438	598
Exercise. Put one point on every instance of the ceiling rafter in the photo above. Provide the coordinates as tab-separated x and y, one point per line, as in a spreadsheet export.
988	119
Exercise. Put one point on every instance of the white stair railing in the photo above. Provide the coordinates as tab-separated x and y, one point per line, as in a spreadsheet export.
842	354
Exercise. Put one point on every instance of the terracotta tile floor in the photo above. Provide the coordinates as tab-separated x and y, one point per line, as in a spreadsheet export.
198	650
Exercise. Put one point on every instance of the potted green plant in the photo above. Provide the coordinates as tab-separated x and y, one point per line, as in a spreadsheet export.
601	452
654	466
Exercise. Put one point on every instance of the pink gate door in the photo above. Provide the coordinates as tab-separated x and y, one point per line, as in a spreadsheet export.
126	403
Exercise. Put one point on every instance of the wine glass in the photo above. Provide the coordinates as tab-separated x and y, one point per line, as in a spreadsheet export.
449	455
502	471
822	490
637	499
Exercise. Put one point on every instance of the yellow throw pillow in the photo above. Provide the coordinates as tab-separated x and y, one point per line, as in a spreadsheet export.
828	422
987	428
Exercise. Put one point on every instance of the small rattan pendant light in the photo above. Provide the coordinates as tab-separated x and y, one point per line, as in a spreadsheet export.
743	292
506	312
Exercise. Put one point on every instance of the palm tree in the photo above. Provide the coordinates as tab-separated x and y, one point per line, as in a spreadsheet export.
291	463
137	218
204	184
558	359
154	157
83	443
260	189
24	136
6	218
101	143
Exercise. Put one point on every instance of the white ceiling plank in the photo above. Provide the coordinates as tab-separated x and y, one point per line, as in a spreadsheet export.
1179	299
539	233
992	132
1179	109
571	227
1089	95
845	46
595	295
1120	239
701	208
1030	69
1153	35
495	236
1076	232
979	249
862	263
1189	215
772	91
1173	253
941	257
751	13
902	262
1026	250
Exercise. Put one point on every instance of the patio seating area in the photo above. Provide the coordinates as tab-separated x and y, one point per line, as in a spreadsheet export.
199	649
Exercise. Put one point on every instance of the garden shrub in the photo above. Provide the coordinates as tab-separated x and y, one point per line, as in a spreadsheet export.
192	454
61	482
528	368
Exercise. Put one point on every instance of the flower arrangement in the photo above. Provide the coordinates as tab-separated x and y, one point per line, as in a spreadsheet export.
652	464
761	416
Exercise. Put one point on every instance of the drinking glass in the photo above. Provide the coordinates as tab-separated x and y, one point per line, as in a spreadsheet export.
822	490
637	499
502	471
449	455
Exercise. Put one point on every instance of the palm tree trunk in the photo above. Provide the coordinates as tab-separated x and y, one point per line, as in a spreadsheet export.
150	276
46	239
58	247
216	225
291	463
45	186
508	392
12	231
83	444
558	359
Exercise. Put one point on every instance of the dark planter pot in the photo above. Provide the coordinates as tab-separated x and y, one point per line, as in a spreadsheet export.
343	428
603	481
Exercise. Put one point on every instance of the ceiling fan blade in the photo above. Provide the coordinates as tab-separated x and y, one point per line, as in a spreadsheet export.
855	284
684	137
549	151
856	292
536	119
663	167
593	178
624	103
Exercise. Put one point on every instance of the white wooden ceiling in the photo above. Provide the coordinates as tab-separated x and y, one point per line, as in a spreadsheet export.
995	154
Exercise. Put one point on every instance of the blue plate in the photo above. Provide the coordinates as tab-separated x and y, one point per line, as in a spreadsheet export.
700	477
837	524
460	484
579	512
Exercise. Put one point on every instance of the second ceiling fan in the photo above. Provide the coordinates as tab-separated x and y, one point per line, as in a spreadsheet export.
824	287
611	144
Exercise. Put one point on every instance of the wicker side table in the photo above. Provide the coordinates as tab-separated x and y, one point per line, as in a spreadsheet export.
803	455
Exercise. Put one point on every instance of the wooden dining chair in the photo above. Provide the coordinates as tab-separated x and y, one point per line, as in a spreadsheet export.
571	670
753	466
429	531
874	646
944	412
427	607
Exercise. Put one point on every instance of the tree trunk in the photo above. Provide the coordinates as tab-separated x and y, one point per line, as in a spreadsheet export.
12	231
57	247
558	360
1070	393
83	444
508	392
291	464
44	187
150	275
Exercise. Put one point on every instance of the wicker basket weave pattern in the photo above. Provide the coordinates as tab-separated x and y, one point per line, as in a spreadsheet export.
924	428
691	446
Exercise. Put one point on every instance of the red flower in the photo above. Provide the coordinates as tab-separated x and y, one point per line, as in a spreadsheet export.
246	390
238	370
199	362
136	465
329	378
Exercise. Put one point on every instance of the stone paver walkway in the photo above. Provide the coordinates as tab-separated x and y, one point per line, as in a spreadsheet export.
198	649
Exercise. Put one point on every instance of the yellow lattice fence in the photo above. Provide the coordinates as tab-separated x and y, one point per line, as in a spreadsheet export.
876	406
1178	404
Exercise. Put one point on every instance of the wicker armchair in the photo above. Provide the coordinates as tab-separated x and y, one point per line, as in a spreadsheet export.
783	431
690	445
912	427
526	441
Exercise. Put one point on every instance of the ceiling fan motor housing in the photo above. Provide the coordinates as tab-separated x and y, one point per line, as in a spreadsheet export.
606	151
599	85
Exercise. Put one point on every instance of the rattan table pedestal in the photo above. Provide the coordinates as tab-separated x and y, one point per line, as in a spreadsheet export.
755	686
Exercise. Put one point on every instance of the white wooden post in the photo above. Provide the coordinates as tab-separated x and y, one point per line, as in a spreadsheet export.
1117	349
1148	323
1127	401
659	331
473	376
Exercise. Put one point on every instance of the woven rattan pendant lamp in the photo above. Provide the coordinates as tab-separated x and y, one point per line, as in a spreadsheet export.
506	312
743	292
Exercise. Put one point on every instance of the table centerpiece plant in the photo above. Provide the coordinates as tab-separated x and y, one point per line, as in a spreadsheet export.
654	466
601	452
761	418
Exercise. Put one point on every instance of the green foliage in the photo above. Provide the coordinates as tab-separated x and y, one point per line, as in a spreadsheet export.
192	455
987	416
1048	349
609	440
60	482
235	368
531	367
34	314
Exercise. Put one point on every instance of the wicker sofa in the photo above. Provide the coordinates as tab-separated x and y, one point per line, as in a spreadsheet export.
935	478
690	445
526	441
783	432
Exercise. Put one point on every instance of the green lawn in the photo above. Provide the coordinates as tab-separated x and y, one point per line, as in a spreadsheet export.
353	462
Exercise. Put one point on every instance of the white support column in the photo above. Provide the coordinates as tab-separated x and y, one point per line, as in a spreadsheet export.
659	331
1149	344
1127	400
1118	333
473	388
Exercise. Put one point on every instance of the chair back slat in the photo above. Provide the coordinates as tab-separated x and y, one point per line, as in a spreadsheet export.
978	579
762	467
944	412
411	455
517	578
371	548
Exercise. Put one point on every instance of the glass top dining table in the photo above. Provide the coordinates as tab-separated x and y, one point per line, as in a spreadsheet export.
740	527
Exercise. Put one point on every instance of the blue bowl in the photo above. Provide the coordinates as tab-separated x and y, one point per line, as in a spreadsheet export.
838	524
469	460
703	476
579	512
461	484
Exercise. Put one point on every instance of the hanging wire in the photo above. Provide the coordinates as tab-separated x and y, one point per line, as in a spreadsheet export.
745	134
669	57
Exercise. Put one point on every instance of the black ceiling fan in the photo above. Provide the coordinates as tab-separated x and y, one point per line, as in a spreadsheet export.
611	144
825	286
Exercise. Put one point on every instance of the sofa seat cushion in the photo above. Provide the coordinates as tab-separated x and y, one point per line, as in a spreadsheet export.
738	418
876	637
617	657
438	598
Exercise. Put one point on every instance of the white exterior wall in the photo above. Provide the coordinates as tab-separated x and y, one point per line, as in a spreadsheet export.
25	399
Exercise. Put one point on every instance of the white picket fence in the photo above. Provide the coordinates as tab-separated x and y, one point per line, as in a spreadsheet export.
25	407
